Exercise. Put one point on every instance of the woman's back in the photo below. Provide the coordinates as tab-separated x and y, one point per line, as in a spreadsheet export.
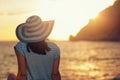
39	67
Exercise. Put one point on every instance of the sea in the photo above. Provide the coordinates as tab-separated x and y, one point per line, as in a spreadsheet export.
80	60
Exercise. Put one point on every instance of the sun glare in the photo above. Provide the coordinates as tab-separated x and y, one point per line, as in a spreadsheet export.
69	15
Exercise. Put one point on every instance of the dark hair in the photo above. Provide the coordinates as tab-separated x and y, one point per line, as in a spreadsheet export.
38	47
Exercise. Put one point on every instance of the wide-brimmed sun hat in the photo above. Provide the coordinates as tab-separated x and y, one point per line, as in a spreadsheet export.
34	29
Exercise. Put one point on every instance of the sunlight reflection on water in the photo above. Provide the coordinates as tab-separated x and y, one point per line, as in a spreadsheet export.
90	60
87	66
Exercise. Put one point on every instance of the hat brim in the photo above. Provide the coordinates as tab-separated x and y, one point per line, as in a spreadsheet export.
39	36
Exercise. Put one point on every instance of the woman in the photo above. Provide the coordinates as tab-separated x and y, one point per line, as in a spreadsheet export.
37	58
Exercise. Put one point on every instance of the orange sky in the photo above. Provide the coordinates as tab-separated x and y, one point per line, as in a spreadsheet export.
69	15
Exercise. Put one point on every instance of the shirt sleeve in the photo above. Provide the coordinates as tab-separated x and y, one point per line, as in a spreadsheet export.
19	47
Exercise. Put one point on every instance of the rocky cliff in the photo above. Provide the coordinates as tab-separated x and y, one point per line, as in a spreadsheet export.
106	27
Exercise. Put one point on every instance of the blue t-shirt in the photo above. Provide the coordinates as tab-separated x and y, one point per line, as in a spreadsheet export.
39	67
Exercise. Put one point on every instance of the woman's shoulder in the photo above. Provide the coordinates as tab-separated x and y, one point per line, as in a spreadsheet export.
55	48
20	44
52	44
20	47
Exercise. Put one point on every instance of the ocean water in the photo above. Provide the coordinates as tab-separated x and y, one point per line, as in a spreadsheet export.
81	60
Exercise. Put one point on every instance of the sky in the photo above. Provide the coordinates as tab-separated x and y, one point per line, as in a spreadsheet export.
69	15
